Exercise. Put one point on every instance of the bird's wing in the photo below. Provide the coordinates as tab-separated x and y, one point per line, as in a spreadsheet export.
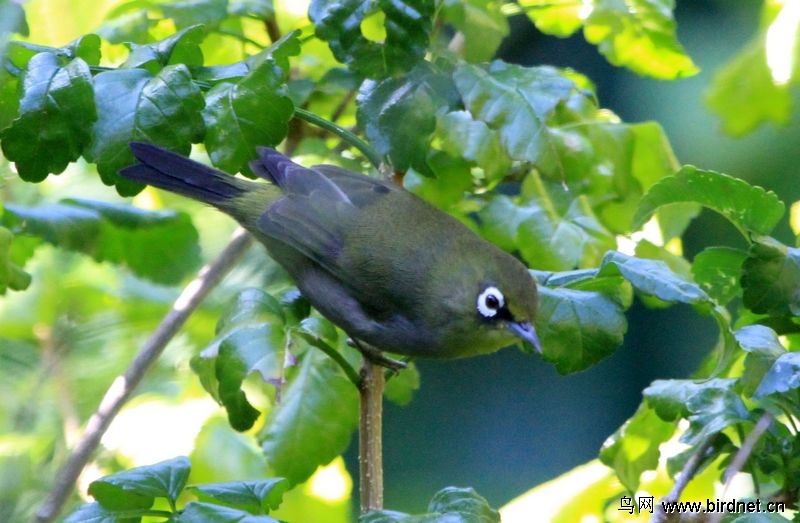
317	207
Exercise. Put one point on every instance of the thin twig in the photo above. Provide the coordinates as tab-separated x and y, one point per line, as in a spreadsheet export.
341	132
123	386
370	436
684	477
740	458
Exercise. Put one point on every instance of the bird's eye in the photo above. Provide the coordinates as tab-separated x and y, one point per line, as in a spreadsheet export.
490	301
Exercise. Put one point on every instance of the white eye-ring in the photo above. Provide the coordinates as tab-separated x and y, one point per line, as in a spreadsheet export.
490	301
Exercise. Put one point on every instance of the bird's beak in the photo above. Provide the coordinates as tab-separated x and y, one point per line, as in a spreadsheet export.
525	330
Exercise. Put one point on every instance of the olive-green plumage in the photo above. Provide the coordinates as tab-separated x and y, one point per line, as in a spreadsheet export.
385	266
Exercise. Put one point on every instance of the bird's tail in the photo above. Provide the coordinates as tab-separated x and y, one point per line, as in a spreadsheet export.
175	173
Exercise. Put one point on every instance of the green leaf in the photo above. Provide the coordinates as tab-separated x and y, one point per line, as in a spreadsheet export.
134	105
251	339
544	238
749	208
9	99
400	387
782	377
12	20
633	448
578	328
255	497
449	505
182	47
406	23
11	275
711	410
127	26
669	398
465	503
86	47
241	115
653	277
639	35
718	270
515	101
157	245
555	17
710	405
398	114
138	487
313	422
771	278
745	92
187	13
55	117
261	9
95	513
197	512
472	140
482	24
762	347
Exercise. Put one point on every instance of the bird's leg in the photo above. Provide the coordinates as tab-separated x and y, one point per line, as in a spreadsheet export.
376	356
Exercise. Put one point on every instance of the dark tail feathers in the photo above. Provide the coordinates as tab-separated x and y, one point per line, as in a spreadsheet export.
175	173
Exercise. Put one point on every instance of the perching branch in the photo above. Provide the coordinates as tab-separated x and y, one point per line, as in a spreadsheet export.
684	477
742	455
123	386
370	436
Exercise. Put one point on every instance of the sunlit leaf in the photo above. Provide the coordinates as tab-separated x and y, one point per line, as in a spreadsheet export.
750	208
556	17
482	24
639	35
634	447
746	92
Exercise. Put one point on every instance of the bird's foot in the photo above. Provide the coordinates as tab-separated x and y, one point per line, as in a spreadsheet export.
376	356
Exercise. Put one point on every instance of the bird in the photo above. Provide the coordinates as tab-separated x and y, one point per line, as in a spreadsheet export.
395	273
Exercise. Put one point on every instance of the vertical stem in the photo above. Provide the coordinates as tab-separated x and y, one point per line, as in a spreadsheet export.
370	437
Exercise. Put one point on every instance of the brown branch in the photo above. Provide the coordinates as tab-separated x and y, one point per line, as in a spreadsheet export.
370	437
687	473
123	386
740	458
